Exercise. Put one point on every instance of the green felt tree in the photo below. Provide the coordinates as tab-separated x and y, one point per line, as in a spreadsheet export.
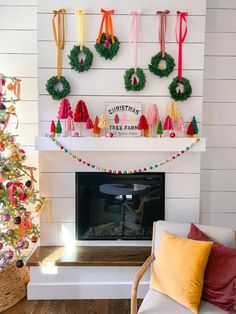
58	127
159	130
195	126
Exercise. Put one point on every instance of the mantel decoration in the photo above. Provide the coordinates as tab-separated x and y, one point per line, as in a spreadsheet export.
77	62
180	88
57	86
135	78
162	64
117	171
107	44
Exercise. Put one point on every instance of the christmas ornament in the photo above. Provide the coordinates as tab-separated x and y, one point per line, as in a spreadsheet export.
28	183
19	263
34	239
180	88
107	45
115	171
172	134
77	61
162	64
17	220
20	244
6	217
9	254
135	78
57	86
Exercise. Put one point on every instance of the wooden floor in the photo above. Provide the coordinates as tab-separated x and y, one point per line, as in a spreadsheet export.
72	307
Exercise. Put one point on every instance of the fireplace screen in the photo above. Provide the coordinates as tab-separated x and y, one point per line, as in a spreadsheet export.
113	207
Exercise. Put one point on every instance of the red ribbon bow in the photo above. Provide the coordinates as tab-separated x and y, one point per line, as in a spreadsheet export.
180	38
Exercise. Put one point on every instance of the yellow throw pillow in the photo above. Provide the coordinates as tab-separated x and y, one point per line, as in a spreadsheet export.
178	270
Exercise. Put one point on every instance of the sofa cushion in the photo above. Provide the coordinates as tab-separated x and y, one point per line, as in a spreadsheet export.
220	276
178	270
158	303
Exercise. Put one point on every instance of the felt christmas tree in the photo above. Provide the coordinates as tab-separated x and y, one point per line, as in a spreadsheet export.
143	125
81	114
89	124
190	131
153	117
103	122
159	130
116	119
180	126
173	111
17	195
53	127
70	127
195	126
96	129
58	128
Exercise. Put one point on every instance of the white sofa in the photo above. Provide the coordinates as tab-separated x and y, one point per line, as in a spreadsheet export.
158	303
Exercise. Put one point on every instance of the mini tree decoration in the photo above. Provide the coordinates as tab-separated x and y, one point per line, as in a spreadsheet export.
168	126
65	111
195	126
96	129
57	86
173	111
81	114
58	128
107	45
89	124
116	119
153	117
70	127
159	129
77	62
162	64
53	127
180	126
180	88
103	122
135	78
143	125
190	131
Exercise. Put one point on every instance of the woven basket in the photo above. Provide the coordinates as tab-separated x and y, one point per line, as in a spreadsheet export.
13	284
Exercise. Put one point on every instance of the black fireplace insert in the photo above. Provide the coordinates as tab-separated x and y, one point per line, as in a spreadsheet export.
118	206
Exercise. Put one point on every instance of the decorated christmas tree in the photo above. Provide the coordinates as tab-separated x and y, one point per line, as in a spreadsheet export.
17	193
159	130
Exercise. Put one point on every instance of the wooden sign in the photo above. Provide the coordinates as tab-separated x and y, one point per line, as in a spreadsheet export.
123	118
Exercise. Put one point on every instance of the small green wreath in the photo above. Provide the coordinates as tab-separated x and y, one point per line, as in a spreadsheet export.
155	67
76	64
56	93
138	75
178	95
110	50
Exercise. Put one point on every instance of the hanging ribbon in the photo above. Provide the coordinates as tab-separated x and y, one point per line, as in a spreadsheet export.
107	20
11	111
17	87
59	35
135	34
80	27
181	33
162	30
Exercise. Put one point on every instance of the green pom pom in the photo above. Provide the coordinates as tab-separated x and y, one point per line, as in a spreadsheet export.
155	67
141	79
105	51
76	64
178	95
54	90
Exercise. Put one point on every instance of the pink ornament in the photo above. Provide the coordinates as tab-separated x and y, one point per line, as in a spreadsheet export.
6	217
20	244
172	134
168	124
9	254
65	110
89	124
110	134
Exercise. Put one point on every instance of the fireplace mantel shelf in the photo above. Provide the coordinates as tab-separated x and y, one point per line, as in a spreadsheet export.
139	144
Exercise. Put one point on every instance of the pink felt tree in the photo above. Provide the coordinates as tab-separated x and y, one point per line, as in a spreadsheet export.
65	111
180	128
153	117
81	113
70	127
89	124
168	126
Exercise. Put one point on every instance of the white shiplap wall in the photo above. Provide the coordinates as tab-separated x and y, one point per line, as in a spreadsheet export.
218	175
18	57
56	169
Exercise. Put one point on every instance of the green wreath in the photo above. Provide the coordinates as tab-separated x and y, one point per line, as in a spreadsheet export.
155	68
129	74
74	59
107	53
55	92
178	95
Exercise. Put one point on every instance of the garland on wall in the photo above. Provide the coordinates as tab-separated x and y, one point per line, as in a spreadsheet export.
115	171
